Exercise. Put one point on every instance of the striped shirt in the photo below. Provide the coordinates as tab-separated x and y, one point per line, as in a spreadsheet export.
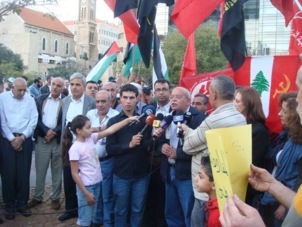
195	140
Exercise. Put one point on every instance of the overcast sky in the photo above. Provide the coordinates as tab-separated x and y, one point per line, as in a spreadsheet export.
68	10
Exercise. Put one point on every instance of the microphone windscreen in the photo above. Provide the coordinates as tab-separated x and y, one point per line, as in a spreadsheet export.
159	116
149	109
150	119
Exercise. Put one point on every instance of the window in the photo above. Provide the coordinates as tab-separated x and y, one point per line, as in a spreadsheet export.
56	46
83	13
44	43
67	48
91	34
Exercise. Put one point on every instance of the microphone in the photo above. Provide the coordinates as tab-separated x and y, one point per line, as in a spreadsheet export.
178	118
149	122
157	121
164	124
187	120
147	111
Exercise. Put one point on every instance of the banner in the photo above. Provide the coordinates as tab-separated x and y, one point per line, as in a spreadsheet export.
271	76
230	152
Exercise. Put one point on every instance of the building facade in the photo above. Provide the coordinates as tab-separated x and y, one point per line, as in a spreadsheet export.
41	41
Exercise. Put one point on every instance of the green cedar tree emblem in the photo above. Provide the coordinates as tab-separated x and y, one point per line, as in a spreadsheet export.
260	83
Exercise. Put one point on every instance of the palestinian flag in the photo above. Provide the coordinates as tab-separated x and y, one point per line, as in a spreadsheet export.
108	57
132	57
160	69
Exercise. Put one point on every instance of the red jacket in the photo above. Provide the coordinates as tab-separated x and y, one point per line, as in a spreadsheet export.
213	213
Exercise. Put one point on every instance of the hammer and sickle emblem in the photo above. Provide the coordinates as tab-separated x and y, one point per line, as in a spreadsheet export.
283	89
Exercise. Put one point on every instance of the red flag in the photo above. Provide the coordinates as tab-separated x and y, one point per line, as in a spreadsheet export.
286	7
187	15
129	21
269	75
295	43
189	62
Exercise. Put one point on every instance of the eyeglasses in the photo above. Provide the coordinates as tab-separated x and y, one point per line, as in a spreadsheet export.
176	96
161	90
197	104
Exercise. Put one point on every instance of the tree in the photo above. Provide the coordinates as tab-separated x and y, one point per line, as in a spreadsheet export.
260	83
66	69
11	64
207	46
15	6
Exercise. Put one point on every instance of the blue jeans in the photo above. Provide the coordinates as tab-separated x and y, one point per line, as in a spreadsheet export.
107	192
129	193
98	216
179	201
87	212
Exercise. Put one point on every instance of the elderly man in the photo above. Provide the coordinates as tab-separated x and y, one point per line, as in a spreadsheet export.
113	89
176	165
19	118
48	138
99	118
76	104
221	95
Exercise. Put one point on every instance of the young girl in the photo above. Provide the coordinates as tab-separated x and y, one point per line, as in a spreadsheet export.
204	182
84	162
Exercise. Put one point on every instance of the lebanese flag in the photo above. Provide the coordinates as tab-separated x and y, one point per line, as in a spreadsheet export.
271	76
189	63
295	43
128	18
109	56
187	15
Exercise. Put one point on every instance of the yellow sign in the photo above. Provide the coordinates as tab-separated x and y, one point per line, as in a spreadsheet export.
230	152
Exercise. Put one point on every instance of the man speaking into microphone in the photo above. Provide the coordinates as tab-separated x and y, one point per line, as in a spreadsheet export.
175	164
129	148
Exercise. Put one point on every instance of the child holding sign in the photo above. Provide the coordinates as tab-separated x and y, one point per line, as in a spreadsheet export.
204	182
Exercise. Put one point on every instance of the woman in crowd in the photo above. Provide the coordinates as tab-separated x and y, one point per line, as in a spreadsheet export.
248	102
285	160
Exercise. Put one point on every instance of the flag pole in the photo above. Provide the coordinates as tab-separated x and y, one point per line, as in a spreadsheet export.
298	4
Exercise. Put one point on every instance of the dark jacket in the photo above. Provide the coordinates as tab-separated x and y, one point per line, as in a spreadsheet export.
41	129
129	163
183	160
45	89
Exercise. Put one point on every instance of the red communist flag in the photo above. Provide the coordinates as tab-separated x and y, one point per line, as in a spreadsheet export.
295	44
189	62
286	7
187	15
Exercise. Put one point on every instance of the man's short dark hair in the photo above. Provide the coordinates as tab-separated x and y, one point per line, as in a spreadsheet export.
36	80
129	87
24	77
162	81
147	91
91	82
205	98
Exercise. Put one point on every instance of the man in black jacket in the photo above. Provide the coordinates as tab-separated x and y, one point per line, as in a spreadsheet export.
176	164
129	149
47	138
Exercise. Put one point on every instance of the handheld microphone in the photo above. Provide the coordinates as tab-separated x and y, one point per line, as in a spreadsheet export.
157	121
149	122
187	120
147	111
164	124
178	118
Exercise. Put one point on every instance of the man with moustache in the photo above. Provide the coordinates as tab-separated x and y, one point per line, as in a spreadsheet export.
76	104
99	118
19	118
48	139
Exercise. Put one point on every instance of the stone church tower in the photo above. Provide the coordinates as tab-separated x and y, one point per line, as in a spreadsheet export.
86	47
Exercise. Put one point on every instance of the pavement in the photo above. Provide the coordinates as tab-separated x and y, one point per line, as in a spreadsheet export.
42	215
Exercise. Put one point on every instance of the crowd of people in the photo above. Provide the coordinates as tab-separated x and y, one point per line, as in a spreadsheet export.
130	155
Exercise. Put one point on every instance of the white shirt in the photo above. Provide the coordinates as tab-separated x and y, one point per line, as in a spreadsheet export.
164	110
50	111
17	115
93	116
75	108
